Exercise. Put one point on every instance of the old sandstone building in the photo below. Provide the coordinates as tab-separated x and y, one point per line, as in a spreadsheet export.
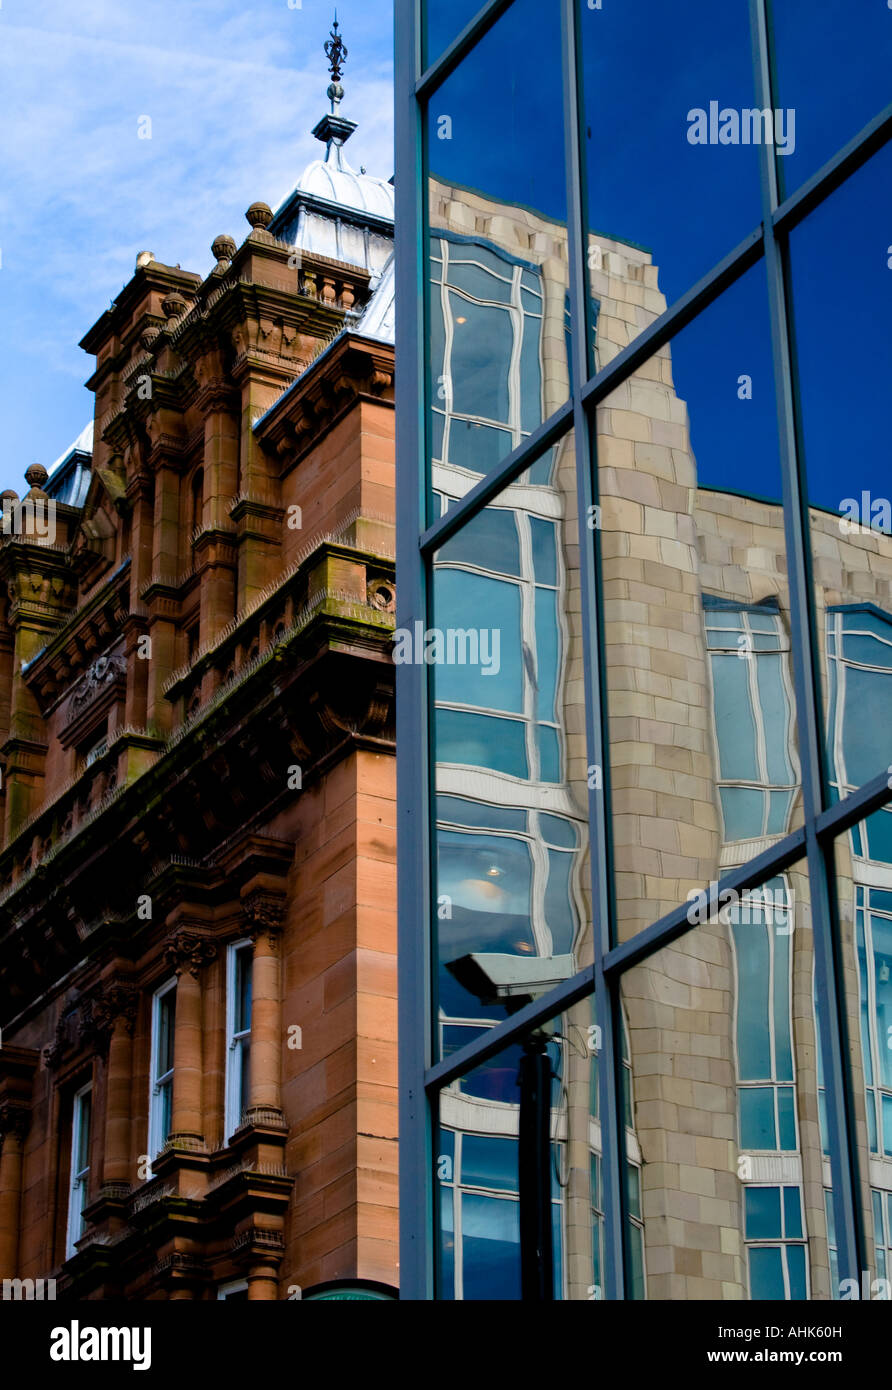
197	885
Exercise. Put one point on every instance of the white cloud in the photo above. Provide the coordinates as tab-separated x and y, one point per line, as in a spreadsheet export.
233	91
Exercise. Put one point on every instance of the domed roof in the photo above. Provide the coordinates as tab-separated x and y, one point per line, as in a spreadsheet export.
333	179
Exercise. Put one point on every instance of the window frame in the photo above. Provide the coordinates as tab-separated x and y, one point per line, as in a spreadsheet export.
159	1083
78	1178
236	1039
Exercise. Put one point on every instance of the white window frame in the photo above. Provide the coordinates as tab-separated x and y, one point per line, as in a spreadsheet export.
79	1178
158	1082
234	1038
783	1242
224	1291
731	646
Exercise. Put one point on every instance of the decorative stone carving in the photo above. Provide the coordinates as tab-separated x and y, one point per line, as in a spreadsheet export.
259	215
14	1119
264	915
104	672
116	1001
224	248
188	952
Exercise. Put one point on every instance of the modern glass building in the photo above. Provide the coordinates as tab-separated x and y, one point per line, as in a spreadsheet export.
644	648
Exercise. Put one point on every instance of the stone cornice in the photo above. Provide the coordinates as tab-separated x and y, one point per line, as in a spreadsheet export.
53	671
351	369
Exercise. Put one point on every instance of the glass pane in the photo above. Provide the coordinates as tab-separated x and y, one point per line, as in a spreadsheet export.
82	1157
243	991
512	895
865	916
444	21
850	510
498	285
165	1101
673	179
517	1151
832	65
723	1134
703	746
165	1022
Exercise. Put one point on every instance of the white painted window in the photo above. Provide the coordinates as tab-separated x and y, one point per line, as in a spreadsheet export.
161	1071
80	1167
236	1289
238	1033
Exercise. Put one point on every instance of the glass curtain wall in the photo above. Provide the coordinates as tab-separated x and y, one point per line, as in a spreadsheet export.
644	649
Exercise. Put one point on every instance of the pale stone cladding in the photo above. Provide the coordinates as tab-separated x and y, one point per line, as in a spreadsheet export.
665	541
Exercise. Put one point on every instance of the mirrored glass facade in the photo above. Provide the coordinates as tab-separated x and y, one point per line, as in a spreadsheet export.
644	651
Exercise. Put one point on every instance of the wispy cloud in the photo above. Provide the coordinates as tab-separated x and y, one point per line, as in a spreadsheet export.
232	91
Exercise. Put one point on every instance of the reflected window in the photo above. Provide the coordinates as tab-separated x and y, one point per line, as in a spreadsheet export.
873	937
761	933
508	892
775	1240
859	711
498	698
486	349
882	1235
478	1171
832	1247
753	708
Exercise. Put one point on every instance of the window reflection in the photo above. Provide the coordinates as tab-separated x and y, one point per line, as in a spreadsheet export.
513	915
480	1169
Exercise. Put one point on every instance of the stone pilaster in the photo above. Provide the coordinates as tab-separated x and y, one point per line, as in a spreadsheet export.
14	1122
265	913
186	954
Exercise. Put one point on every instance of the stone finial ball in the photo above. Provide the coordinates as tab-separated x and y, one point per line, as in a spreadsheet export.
36	475
224	248
259	215
173	305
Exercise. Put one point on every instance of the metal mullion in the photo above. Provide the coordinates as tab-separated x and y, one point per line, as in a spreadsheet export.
416	1182
835	172
505	472
510	1030
676	317
433	76
832	1029
752	874
614	1197
842	815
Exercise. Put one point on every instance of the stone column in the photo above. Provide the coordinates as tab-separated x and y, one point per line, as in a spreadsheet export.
264	913
14	1120
263	1281
187	953
118	1005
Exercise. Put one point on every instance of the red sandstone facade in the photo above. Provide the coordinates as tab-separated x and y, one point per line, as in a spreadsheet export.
196	755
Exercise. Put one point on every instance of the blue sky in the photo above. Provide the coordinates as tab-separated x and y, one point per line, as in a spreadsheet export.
233	91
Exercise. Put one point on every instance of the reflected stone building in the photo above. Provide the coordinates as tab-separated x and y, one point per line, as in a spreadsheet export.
717	1068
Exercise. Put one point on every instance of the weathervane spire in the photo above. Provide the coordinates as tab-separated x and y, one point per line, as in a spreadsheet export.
336	53
334	128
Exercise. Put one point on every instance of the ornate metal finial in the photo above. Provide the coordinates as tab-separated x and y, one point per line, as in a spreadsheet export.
335	51
334	128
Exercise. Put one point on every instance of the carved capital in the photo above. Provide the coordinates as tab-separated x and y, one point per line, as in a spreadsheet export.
14	1119
188	952
264	915
117	1001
